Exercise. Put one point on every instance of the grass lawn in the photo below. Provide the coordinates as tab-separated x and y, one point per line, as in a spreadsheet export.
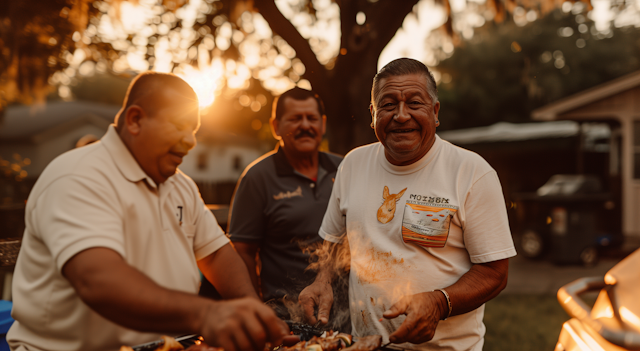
523	322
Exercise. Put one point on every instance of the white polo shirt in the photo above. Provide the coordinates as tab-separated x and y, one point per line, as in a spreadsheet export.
98	196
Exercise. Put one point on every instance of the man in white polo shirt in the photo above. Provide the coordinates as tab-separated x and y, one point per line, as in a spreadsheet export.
115	235
426	225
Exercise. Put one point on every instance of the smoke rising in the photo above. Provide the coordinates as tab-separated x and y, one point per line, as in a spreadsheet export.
337	259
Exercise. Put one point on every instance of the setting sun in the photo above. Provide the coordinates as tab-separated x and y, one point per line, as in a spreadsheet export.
205	81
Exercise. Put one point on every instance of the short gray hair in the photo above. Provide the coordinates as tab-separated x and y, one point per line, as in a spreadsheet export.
401	67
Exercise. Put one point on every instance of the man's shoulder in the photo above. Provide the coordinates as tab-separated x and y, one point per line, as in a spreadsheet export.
460	155
88	161
363	152
89	164
261	165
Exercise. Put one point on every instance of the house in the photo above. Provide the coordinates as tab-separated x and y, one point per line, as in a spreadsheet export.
42	132
217	161
32	136
617	104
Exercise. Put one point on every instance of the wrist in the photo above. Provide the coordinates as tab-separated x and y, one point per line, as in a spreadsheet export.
323	277
206	309
447	304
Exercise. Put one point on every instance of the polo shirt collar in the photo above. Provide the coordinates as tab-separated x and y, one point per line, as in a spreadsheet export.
123	158
284	168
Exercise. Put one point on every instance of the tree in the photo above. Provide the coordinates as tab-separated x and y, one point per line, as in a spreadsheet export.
52	31
505	71
33	41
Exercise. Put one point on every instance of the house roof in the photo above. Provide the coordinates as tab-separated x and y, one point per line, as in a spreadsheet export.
552	110
27	122
504	132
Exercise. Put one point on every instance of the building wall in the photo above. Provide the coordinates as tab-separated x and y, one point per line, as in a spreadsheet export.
216	168
623	107
217	162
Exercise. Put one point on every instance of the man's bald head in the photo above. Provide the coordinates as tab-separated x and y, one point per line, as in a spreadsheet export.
146	90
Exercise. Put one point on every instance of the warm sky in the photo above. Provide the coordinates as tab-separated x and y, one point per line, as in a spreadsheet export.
414	39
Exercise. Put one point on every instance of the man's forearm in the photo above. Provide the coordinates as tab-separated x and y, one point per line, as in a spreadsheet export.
248	253
122	294
228	273
480	284
326	266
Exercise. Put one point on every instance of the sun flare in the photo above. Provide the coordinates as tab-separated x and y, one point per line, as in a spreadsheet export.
206	82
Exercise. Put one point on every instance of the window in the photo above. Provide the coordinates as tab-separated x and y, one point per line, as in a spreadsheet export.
202	161
237	163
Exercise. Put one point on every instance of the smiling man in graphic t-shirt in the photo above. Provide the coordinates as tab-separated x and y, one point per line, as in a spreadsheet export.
426	224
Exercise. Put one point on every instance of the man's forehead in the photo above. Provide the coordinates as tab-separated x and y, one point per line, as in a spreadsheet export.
295	104
413	84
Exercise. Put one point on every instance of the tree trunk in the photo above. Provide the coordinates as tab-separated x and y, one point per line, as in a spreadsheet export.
346	88
348	118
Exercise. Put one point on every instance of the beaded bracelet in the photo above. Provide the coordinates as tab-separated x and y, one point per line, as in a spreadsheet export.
446	295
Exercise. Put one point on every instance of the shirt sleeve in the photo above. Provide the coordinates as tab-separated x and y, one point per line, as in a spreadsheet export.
209	237
334	225
247	219
76	213
486	230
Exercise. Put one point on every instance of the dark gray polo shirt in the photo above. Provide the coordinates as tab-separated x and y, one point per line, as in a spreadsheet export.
281	210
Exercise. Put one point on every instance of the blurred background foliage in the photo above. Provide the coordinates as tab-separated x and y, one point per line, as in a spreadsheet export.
505	71
496	60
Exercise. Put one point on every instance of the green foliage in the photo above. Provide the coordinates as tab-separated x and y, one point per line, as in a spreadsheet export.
505	71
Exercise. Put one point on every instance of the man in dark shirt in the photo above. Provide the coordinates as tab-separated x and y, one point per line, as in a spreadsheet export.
281	198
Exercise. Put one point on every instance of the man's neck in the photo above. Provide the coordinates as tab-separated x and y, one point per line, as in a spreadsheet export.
306	164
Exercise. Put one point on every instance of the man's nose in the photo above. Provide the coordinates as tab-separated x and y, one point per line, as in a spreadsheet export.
403	113
189	139
305	123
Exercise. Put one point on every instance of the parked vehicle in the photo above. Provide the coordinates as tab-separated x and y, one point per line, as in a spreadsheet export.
613	323
569	219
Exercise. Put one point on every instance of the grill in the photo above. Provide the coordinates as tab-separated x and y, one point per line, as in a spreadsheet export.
185	341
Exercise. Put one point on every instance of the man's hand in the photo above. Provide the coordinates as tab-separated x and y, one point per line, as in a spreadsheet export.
423	311
320	295
480	284
242	324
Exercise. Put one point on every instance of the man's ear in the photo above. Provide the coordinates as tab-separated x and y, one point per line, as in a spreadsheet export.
373	115
436	110
275	124
132	118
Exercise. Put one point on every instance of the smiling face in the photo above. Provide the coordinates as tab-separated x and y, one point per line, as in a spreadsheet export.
405	118
301	127
162	137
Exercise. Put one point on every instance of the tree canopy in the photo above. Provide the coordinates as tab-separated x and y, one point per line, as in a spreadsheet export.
246	49
505	71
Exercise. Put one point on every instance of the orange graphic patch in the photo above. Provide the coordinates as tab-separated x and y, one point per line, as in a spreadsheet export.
388	208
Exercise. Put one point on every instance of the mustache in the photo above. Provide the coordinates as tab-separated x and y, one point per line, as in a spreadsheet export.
303	133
